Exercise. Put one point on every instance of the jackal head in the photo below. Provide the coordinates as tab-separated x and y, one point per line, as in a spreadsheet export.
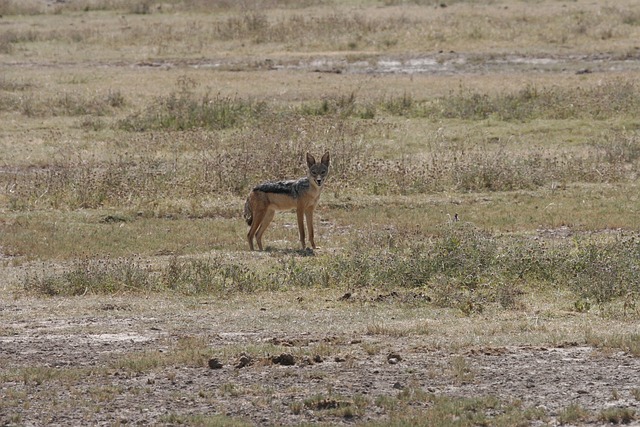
318	171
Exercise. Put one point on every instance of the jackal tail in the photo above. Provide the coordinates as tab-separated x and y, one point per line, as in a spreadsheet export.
248	214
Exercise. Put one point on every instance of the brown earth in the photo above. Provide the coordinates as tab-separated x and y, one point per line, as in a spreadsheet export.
73	362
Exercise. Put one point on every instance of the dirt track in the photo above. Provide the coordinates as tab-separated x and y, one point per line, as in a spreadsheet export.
433	64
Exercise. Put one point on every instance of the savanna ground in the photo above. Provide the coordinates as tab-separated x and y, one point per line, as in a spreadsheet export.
479	233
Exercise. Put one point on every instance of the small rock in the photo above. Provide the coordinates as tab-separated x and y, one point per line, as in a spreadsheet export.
245	360
345	297
215	364
110	219
285	359
306	361
393	358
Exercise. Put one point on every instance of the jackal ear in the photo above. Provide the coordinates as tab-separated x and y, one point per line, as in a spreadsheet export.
310	160
325	159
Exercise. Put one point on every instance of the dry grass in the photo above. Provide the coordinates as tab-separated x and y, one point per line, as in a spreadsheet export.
274	27
132	131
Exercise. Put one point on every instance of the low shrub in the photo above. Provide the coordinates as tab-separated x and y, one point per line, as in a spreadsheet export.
604	271
92	276
461	267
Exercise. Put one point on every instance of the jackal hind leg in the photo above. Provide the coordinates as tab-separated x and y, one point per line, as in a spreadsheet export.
258	217
266	220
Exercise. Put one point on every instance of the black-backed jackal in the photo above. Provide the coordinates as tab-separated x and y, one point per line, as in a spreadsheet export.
302	195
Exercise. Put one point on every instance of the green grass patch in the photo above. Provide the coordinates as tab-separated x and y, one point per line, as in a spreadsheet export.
92	276
187	351
183	111
618	415
204	420
460	412
461	267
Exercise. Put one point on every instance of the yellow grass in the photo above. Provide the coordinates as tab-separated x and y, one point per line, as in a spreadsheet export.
411	149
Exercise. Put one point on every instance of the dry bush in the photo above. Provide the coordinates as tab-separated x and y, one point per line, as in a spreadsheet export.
467	268
605	271
605	101
92	276
21	7
61	104
169	166
480	167
619	148
321	26
460	267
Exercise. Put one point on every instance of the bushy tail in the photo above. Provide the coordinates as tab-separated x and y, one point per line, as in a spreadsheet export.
248	215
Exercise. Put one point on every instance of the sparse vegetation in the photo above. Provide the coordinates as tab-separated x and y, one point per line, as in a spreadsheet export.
573	414
618	415
482	200
462	267
447	411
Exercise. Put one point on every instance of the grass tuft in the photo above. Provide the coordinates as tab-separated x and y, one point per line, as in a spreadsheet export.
618	415
182	111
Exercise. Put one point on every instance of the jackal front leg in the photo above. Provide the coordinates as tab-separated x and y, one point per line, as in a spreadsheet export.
300	214
309	214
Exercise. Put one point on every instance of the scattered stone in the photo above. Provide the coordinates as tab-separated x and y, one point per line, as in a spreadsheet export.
245	360
215	364
386	297
306	361
285	359
345	297
111	219
398	386
327	403
282	342
393	358
114	307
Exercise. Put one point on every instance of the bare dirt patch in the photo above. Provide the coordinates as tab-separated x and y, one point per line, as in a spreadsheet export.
140	362
429	63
